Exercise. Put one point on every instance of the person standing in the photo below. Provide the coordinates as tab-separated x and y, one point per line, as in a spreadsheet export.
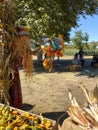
81	57
75	59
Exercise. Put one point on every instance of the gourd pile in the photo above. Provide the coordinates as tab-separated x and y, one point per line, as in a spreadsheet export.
12	119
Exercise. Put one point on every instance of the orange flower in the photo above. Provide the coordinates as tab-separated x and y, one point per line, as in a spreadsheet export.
60	36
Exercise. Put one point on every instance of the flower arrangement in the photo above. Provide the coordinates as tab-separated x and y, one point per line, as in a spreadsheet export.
51	49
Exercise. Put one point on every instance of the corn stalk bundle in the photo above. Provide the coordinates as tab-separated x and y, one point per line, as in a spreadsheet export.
85	116
7	30
12	44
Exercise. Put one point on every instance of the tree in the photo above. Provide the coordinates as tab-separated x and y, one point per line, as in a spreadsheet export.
48	17
86	38
93	45
80	39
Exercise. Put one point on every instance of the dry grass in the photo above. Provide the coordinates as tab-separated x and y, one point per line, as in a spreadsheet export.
48	92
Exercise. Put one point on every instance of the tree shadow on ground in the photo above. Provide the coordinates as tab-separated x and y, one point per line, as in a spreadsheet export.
27	107
62	66
59	117
59	66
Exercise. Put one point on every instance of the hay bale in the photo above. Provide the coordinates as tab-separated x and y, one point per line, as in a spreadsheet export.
74	67
96	65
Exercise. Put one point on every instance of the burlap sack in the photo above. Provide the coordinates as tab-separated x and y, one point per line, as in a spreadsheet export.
96	65
69	125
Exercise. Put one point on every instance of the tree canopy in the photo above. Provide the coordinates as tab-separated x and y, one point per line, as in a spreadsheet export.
49	17
80	39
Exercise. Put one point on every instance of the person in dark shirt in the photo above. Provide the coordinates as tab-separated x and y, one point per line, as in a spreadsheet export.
81	54
94	60
81	57
75	59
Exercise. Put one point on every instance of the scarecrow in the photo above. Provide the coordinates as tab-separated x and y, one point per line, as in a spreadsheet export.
22	56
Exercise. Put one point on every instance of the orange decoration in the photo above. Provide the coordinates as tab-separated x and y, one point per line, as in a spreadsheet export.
60	36
51	52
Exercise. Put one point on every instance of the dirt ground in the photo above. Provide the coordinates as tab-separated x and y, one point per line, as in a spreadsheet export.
47	93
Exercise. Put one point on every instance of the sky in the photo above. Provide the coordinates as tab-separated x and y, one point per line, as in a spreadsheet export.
89	26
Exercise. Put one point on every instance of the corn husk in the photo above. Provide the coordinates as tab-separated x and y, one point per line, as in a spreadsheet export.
27	63
20	45
85	116
22	50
